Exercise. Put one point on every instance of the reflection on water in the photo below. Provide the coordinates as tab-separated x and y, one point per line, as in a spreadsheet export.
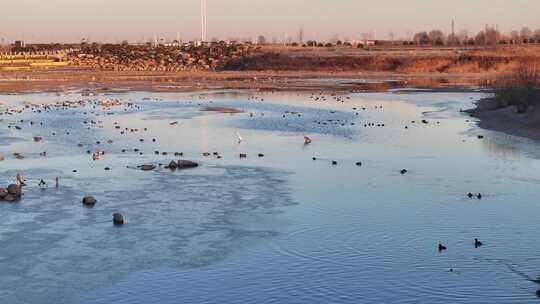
280	228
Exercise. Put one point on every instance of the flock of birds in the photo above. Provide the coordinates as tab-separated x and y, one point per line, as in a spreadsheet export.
106	106
97	151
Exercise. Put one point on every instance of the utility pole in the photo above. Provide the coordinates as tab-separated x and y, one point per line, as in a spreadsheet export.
453	31
203	20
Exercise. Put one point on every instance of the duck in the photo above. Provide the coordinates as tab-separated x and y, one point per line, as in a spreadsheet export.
477	243
479	196
403	171
441	247
470	195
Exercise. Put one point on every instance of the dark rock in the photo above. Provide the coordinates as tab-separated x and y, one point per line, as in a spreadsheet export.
10	198
148	167
89	201
14	190
185	164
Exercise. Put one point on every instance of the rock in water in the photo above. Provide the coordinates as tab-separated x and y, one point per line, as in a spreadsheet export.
14	190
89	201
185	164
118	219
148	167
10	198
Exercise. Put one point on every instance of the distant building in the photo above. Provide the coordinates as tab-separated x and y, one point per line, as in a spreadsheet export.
20	44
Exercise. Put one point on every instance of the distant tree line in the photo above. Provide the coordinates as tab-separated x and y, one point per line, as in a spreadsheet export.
436	37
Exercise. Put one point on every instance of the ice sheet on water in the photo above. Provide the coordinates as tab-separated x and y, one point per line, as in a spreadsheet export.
181	220
298	119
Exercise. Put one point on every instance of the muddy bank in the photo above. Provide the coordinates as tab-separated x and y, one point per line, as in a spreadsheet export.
88	79
506	119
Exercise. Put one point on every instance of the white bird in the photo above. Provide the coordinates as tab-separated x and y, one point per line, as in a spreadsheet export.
240	139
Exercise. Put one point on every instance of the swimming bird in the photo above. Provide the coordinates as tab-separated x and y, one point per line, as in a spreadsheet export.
42	184
441	247
477	243
470	195
240	139
403	171
479	196
307	140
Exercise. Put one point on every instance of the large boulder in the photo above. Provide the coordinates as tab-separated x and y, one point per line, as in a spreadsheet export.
89	201
185	164
14	190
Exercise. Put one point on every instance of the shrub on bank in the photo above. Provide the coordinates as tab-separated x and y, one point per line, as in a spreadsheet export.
520	88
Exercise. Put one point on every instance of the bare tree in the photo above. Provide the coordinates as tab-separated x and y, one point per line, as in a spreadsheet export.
436	37
463	36
421	38
492	36
480	38
261	39
525	33
536	35
514	36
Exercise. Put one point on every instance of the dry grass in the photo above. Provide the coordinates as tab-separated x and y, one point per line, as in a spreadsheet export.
520	88
497	60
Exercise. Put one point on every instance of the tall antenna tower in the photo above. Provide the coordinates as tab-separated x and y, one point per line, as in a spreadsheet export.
203	20
453	41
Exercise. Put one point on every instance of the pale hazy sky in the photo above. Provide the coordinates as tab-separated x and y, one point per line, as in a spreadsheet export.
114	20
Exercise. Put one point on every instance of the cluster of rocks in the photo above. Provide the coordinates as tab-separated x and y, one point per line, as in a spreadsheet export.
125	57
10	194
90	201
